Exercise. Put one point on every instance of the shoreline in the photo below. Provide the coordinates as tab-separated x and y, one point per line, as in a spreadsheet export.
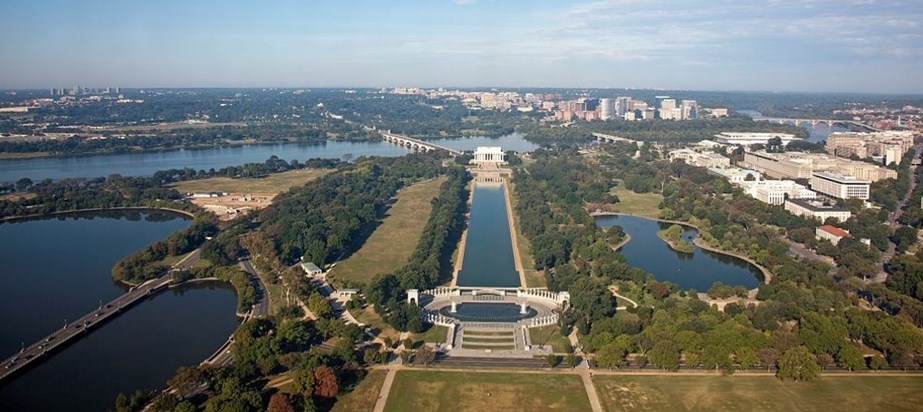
767	275
463	239
97	209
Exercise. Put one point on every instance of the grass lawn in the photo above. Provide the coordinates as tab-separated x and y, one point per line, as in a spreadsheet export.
549	335
274	183
534	278
392	243
172	260
486	346
745	393
641	204
363	396
487	333
435	334
369	317
468	391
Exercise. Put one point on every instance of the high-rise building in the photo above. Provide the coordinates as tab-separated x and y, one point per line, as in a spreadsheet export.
690	109
622	105
665	108
839	185
658	100
607	109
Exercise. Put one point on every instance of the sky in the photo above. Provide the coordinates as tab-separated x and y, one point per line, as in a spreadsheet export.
772	45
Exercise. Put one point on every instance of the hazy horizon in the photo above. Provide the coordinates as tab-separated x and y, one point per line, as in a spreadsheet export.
789	46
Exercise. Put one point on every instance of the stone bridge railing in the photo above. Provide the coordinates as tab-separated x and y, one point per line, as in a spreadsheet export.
438	319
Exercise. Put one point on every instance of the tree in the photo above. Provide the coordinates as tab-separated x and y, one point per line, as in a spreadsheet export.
824	360
424	356
877	362
552	360
186	380
279	402
572	360
850	357
23	184
610	356
798	364
768	357
325	382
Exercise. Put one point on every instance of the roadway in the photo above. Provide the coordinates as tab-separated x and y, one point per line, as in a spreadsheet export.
893	218
260	309
46	346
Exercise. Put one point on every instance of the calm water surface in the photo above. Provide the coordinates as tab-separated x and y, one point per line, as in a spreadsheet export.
59	268
697	270
488	259
145	164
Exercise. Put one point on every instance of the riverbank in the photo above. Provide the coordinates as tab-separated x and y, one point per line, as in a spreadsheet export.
98	209
767	275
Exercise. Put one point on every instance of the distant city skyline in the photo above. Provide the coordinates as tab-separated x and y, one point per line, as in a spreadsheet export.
775	45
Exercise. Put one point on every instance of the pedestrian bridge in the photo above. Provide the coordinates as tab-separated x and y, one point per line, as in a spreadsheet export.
416	144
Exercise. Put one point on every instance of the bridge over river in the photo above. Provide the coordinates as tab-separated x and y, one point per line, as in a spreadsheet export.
47	345
416	144
815	122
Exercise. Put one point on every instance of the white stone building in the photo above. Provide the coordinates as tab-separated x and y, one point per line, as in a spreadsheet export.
751	138
816	210
774	192
830	233
489	154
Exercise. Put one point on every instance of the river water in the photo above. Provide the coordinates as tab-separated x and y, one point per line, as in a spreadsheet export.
59	268
488	259
145	164
816	133
697	270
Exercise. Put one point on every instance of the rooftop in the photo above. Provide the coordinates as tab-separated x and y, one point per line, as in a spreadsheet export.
833	230
816	206
839	177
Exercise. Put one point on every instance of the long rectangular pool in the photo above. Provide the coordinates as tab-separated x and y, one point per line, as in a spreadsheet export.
488	259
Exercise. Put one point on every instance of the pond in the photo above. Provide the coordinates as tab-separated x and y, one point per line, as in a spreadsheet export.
697	270
488	256
59	268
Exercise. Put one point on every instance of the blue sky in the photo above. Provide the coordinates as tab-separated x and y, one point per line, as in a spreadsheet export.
773	45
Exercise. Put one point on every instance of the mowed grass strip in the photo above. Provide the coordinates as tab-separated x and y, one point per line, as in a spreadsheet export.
477	392
549	335
363	396
392	242
641	204
746	393
272	184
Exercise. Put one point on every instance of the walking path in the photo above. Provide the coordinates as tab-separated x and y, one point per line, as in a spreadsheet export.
385	390
615	293
595	404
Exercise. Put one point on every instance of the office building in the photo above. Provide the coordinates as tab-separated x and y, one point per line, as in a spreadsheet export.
690	110
665	109
817	210
774	192
700	159
736	175
607	109
622	105
839	185
831	234
802	165
749	138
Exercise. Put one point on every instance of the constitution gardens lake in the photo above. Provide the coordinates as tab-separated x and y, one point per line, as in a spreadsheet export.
59	268
145	164
697	270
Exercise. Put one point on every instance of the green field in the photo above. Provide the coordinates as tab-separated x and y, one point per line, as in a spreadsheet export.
363	396
392	243
549	335
435	334
274	183
471	391
641	204
745	393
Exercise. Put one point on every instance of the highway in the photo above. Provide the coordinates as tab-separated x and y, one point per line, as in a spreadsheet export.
47	345
260	309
